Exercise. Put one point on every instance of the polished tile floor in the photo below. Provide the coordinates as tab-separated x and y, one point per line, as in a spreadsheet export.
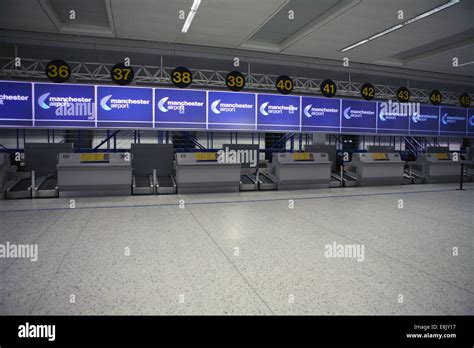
244	253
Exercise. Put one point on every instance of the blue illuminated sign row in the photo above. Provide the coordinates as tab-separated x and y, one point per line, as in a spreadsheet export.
24	104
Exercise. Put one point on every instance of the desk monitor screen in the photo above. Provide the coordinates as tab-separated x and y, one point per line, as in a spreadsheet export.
94	157
379	156
205	156
442	156
303	156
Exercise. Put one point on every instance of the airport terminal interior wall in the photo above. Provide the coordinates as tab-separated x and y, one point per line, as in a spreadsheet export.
8	138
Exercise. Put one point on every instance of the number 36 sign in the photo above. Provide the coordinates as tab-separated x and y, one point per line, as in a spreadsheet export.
58	71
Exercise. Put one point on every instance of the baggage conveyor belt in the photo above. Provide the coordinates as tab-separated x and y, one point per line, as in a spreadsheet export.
349	181
21	188
248	182
47	187
142	185
165	185
265	182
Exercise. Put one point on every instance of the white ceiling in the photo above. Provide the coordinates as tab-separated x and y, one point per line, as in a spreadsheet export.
232	24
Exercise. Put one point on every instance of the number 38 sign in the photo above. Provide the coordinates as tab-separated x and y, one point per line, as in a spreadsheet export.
58	71
181	77
122	74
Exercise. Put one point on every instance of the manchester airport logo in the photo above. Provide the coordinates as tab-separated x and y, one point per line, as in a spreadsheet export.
423	117
269	109
392	110
448	119
351	113
165	105
5	98
67	106
108	103
218	107
310	111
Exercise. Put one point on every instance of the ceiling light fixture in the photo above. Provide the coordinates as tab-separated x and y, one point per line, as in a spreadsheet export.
190	17
398	26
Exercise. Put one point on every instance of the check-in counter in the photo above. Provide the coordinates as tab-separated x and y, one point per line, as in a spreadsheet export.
202	172
377	168
7	173
302	170
437	167
94	174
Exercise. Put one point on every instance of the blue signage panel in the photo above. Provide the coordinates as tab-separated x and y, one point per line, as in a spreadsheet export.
16	108
426	122
320	114
179	108
231	111
393	118
124	107
24	104
278	113
64	105
452	121
358	116
470	122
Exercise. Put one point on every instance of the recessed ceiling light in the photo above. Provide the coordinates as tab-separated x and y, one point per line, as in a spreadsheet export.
190	17
398	26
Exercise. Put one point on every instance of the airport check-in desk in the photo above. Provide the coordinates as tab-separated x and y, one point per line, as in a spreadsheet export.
7	172
200	172
437	167
336	172
94	174
40	176
152	169
377	168
470	157
302	170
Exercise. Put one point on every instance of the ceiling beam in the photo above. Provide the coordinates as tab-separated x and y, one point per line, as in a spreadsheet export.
248	56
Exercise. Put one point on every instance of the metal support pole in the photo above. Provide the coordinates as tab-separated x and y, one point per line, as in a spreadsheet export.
155	180
461	177
33	184
342	173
